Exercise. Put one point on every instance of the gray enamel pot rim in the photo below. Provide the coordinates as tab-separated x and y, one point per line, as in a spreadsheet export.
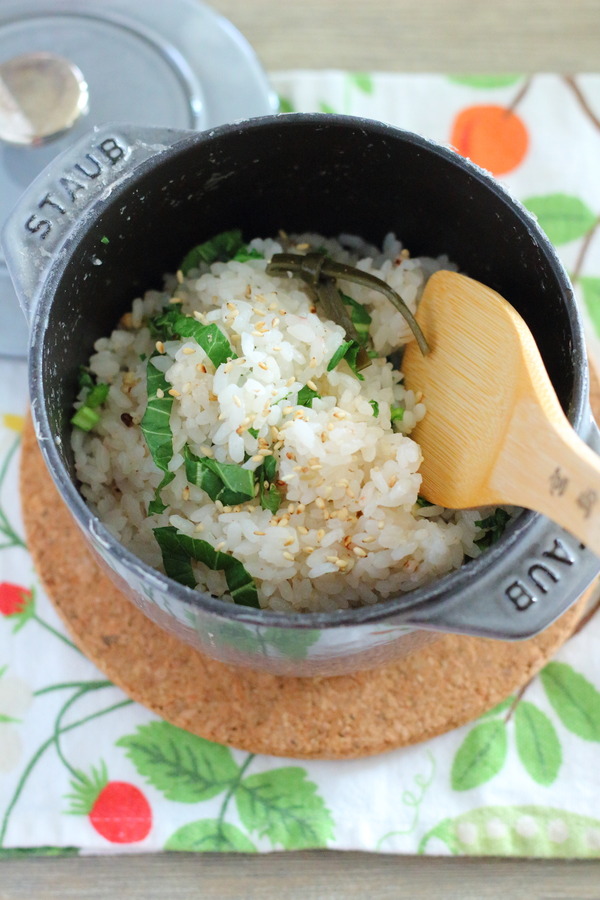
427	606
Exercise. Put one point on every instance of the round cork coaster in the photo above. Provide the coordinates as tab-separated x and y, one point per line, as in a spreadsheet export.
437	688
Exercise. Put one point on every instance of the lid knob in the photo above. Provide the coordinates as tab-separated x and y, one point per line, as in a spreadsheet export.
41	96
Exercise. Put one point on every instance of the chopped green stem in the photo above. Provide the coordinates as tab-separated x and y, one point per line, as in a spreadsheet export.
40	752
232	789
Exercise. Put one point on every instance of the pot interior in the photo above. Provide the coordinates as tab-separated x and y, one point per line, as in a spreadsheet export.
300	174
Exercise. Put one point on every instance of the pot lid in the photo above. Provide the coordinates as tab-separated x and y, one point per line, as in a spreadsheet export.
67	66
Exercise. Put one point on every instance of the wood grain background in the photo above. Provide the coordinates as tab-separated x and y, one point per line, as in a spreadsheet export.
383	35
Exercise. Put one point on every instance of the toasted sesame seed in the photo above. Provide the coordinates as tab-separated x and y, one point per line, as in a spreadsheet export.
263	365
212	397
179	276
126	320
316	466
185	494
342	563
289	542
311	385
369	539
289	477
276	349
187	351
308	550
303	246
256	333
287	410
287	555
275	322
301	508
319	502
320	534
331	559
231	305
258	458
358	551
208	451
200	367
283	312
313	362
199	316
339	414
228	367
248	291
258	311
284	521
290	381
160	346
259	533
199	527
176	300
160	393
220	545
302	529
174	393
392	481
237	400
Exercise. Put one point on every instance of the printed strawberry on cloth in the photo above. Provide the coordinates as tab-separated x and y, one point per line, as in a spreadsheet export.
84	769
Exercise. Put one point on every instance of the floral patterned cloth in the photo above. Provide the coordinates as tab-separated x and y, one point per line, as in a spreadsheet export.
84	769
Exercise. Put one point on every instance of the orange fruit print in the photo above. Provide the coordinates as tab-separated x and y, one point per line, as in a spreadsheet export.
494	137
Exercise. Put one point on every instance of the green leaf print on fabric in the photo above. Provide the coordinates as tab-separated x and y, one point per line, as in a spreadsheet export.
574	699
210	836
591	298
564	218
518	831
537	743
362	81
280	804
284	807
499	708
481	755
485	81
184	767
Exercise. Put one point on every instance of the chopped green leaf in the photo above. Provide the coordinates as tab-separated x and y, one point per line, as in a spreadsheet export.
421	502
179	549
227	482
494	526
347	350
97	395
306	396
372	354
360	318
104	240
156	428
221	247
253	432
85	418
396	413
173	324
375	406
84	379
244	254
265	474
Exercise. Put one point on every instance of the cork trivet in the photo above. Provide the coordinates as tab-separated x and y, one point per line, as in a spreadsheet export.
439	687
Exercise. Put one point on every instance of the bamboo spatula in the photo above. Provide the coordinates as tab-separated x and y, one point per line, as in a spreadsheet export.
494	431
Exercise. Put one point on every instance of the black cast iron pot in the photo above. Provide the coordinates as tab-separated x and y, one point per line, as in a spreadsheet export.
157	193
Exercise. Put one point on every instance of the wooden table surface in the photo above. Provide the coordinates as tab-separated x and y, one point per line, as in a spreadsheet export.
384	35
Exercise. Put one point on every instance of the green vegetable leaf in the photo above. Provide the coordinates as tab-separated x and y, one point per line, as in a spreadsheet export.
173	324
494	526
185	768
481	755
375	406
537	743
575	700
349	351
485	81
97	395
359	316
253	432
284	807
156	428
244	254
221	247
563	217
179	549
104	240
591	298
306	396
396	413
84	379
226	482
270	497
210	836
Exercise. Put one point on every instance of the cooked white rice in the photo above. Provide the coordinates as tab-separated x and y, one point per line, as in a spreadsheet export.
349	531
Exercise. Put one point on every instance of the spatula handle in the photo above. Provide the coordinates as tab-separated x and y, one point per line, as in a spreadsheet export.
556	473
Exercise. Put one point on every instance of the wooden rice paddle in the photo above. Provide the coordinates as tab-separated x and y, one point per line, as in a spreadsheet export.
494	431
